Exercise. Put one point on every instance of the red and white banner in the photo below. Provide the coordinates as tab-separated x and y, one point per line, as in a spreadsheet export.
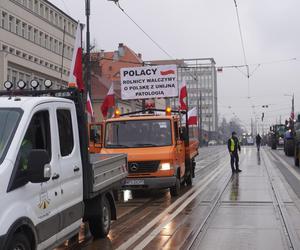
149	82
192	117
76	65
109	101
183	96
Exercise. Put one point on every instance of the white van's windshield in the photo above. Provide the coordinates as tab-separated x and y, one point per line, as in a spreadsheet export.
9	119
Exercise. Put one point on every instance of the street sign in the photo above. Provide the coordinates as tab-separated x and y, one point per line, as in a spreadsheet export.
149	82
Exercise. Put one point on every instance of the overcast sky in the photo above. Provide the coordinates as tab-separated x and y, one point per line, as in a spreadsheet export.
209	28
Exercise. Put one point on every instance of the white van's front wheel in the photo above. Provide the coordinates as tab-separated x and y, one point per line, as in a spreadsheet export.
20	242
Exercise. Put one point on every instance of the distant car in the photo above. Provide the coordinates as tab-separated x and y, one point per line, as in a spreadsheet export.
250	140
212	143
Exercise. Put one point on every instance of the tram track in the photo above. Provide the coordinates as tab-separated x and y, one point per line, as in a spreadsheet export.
194	240
289	230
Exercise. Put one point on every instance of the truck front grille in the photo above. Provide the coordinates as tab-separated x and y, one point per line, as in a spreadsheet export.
143	167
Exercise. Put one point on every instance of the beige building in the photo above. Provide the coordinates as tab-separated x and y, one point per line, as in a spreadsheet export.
36	42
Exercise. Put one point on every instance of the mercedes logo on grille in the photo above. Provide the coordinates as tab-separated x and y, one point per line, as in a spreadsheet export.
134	167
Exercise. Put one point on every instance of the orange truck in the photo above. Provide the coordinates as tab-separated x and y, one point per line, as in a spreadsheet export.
160	153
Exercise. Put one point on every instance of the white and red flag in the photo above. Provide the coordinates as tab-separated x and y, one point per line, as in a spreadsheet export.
192	117
183	96
109	101
76	70
89	106
76	65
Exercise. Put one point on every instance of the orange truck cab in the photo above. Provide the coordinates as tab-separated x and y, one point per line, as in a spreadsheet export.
160	154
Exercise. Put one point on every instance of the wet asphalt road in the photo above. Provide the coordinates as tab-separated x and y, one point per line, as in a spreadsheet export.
256	209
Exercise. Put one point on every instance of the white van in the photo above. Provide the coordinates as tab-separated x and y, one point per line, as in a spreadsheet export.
48	185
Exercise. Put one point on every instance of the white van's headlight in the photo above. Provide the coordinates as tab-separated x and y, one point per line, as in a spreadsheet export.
165	166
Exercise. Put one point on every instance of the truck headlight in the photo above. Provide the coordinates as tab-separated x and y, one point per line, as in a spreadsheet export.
165	166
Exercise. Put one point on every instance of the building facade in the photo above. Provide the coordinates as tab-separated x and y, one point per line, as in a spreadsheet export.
106	67
201	79
36	42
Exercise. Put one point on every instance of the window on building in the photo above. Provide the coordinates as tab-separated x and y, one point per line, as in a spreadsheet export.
65	131
51	16
14	76
4	20
47	13
46	41
11	24
36	6
24	27
42	11
8	74
30	4
55	46
56	19
36	36
29	33
51	43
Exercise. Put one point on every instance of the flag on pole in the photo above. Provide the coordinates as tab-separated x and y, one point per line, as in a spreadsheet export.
183	96
76	65
89	105
192	116
109	101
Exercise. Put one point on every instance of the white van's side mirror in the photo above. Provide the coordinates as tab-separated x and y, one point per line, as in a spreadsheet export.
39	169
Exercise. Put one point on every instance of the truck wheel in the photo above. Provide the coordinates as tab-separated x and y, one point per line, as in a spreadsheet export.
175	190
296	159
100	225
19	242
289	148
189	179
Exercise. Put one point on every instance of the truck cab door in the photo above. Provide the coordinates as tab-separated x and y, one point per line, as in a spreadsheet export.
41	199
71	177
180	149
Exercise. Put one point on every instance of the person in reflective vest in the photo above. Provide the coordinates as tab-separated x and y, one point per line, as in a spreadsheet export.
233	148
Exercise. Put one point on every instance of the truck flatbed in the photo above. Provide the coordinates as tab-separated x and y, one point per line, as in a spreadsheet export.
108	169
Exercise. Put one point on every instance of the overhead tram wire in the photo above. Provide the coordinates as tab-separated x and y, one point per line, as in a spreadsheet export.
156	43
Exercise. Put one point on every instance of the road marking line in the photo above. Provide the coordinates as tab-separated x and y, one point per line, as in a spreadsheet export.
157	230
169	209
288	166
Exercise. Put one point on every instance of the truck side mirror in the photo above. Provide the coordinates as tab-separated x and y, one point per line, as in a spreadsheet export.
183	134
39	170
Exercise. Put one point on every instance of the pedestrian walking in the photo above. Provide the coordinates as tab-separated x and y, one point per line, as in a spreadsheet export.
233	148
258	141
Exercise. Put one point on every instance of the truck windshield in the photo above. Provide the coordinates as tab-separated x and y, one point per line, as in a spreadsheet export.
281	129
9	119
138	133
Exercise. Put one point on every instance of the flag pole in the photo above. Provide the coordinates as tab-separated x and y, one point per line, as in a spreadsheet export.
88	52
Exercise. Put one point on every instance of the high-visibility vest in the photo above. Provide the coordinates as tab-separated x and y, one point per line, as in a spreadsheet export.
232	145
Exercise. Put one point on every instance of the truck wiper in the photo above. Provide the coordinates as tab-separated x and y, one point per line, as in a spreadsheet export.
145	145
117	146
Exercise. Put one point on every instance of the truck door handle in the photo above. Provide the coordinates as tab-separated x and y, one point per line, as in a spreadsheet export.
76	169
55	176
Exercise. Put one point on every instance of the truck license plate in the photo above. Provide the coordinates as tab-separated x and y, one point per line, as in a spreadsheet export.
134	182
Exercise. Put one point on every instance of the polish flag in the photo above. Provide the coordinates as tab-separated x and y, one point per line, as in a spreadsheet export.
192	117
182	96
89	105
109	101
76	65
